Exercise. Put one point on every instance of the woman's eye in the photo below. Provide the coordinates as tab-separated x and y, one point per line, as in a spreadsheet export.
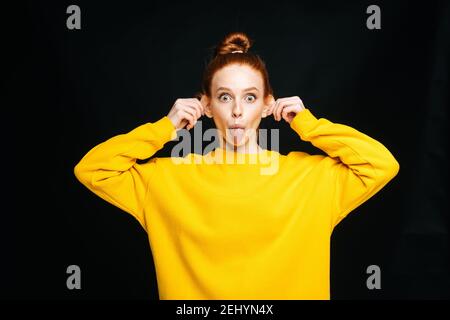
253	96
223	95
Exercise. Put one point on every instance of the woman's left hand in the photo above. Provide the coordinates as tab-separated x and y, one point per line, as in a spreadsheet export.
287	108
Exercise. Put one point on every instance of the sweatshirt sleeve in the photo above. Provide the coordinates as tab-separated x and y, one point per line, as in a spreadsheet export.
360	166
110	169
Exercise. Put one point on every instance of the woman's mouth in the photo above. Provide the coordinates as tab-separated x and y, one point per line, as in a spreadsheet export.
237	132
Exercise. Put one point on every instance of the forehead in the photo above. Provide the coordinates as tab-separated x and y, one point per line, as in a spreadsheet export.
237	77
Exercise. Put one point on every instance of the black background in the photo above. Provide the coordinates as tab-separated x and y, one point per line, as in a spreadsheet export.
68	90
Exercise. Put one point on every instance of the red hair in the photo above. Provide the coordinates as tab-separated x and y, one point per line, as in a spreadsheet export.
223	57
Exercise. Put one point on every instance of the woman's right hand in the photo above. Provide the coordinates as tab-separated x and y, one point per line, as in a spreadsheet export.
186	111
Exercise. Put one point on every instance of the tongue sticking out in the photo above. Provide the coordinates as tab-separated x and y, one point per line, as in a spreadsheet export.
237	134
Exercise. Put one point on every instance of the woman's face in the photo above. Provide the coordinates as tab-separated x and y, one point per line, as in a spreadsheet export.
237	101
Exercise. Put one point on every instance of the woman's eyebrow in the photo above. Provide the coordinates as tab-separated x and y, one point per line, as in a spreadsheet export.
248	89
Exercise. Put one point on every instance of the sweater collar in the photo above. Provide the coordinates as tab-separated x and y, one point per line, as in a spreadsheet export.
225	156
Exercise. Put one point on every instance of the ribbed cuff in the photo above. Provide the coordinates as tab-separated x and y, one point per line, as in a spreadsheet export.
161	131
165	129
303	122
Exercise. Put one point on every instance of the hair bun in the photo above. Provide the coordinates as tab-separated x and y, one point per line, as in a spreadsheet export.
234	41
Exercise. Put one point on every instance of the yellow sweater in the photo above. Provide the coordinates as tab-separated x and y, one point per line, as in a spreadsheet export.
230	230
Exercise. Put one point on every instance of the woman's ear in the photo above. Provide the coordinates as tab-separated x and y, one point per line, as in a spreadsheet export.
268	106
206	103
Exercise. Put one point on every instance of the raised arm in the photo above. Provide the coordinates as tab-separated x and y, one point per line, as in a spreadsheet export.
359	165
110	169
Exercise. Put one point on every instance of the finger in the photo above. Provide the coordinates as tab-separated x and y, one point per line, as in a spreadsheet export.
197	104
186	123
195	109
191	110
286	110
189	117
278	108
183	122
200	104
272	108
201	107
284	103
275	108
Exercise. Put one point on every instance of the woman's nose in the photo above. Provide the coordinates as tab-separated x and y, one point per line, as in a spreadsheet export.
237	110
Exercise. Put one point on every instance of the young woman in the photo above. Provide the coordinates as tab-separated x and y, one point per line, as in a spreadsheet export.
226	229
